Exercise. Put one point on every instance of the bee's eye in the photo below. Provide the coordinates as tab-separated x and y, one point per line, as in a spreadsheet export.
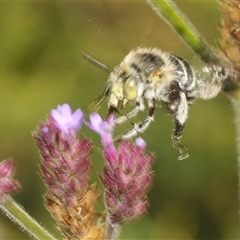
130	89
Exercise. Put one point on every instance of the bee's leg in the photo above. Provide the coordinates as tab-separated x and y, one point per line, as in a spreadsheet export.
141	126
180	115
176	136
139	107
129	115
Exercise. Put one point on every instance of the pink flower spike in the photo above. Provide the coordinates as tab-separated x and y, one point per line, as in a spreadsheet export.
127	181
6	168
7	183
65	120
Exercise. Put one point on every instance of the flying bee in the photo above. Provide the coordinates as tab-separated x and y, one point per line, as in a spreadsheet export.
150	75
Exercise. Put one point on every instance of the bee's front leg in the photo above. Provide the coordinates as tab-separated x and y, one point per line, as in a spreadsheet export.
120	120
140	126
126	117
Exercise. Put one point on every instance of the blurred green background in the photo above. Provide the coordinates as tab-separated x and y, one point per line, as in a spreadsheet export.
41	66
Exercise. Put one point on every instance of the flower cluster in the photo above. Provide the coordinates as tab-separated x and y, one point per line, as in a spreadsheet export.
126	175
65	158
65	169
66	165
8	185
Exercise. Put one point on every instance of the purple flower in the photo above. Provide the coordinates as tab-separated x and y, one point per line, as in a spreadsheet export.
67	121
103	128
140	143
7	183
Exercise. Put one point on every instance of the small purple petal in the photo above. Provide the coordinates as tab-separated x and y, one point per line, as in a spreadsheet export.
77	116
64	110
95	123
45	130
140	143
98	125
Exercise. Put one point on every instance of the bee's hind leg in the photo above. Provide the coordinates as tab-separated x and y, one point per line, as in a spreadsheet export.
176	137
180	115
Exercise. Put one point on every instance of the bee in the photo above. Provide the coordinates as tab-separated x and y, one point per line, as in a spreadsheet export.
148	76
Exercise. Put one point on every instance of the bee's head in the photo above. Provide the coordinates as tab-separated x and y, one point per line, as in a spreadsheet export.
121	91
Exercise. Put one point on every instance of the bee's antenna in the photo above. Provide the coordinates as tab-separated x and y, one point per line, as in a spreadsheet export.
95	62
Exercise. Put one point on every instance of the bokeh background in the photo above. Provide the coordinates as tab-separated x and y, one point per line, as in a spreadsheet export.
41	66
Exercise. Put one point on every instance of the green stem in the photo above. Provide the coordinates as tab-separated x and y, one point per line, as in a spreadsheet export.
236	107
17	215
169	11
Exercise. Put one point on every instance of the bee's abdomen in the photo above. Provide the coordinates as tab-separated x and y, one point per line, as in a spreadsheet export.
187	79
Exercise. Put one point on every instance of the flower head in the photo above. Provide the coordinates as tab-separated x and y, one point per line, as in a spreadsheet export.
127	181
126	176
65	120
66	164
65	168
7	183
